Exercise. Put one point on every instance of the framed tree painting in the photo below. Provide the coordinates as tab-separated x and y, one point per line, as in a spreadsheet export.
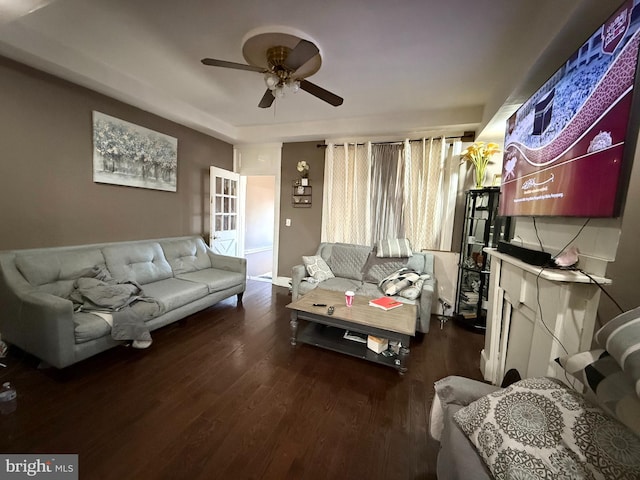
131	155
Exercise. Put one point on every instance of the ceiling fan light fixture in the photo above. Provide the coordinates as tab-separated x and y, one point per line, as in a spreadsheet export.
271	80
294	85
279	91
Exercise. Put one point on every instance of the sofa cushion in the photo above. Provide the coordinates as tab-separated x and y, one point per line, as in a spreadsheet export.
338	284
173	293
539	428
215	279
139	262
186	255
367	289
88	326
347	261
49	267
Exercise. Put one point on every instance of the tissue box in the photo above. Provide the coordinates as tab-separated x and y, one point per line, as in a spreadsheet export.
376	344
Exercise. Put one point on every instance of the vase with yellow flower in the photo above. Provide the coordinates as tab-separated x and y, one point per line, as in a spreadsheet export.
479	154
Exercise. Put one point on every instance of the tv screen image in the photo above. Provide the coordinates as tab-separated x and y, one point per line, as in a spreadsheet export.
565	146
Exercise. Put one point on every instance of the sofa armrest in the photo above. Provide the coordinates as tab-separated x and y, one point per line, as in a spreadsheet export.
454	390
229	263
457	458
427	298
298	272
37	322
461	390
44	328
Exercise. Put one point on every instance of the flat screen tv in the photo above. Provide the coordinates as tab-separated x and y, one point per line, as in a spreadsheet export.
569	148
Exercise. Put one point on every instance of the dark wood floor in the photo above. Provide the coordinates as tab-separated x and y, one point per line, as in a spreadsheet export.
225	396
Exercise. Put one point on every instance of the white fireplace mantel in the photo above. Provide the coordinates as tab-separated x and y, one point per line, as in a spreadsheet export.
535	315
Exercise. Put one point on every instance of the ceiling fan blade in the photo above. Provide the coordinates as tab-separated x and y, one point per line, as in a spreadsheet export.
212	62
267	99
321	93
301	54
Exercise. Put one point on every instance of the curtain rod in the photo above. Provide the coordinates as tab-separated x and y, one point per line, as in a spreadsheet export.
466	137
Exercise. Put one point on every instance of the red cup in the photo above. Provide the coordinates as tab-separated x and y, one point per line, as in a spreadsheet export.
348	297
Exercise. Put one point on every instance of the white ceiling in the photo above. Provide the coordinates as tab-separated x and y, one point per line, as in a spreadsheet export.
403	67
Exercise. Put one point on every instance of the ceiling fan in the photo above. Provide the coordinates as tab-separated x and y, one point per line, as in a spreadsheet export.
282	71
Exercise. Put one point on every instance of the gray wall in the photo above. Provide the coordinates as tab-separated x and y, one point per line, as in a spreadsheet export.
303	236
47	192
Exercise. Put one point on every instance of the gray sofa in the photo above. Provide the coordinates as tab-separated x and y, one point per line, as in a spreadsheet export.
539	427
458	458
181	274
357	268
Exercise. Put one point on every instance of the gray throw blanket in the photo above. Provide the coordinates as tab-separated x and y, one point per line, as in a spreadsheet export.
97	291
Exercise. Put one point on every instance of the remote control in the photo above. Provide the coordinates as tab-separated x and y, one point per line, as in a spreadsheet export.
330	311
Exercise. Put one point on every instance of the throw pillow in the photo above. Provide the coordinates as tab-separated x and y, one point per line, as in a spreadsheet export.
377	268
539	428
398	281
606	384
621	338
413	291
317	267
394	248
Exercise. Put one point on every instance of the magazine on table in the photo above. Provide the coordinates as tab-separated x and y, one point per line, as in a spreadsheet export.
385	303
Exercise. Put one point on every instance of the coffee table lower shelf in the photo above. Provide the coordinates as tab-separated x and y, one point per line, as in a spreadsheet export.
324	327
331	338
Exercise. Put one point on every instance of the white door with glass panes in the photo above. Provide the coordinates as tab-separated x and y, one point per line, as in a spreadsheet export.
225	206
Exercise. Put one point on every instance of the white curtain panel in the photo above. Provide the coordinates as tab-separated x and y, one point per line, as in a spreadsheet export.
425	205
346	209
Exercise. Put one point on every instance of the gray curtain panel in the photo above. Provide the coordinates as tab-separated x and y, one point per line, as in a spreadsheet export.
387	191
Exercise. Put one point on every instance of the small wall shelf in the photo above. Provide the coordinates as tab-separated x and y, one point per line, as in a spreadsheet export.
301	196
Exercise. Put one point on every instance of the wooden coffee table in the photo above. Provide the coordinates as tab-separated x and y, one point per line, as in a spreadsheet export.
326	331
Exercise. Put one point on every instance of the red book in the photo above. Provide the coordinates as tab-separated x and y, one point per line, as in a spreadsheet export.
385	303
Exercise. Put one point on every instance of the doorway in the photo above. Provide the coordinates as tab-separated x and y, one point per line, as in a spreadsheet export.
260	201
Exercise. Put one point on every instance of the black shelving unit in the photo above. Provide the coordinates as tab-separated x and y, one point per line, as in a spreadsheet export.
482	228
